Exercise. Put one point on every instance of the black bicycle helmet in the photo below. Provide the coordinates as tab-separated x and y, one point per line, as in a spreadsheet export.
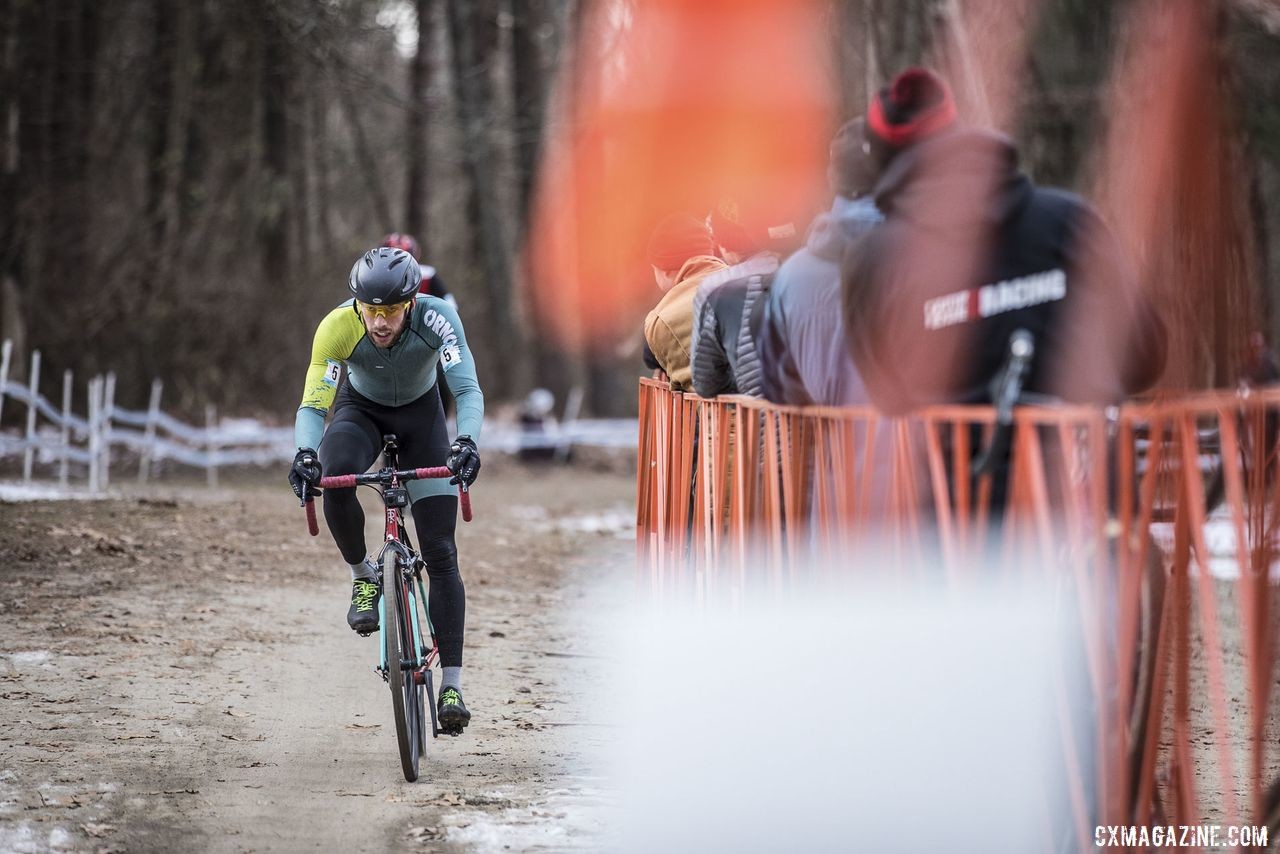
385	276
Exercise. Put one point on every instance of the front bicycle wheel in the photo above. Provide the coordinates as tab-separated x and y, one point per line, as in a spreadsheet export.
406	694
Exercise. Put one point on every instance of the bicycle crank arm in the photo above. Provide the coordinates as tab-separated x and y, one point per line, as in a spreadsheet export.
425	673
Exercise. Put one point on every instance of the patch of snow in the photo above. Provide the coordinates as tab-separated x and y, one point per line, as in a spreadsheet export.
1220	540
29	657
60	839
8	792
26	838
19	838
14	493
562	821
618	521
528	512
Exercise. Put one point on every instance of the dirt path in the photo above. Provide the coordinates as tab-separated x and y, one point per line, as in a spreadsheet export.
177	675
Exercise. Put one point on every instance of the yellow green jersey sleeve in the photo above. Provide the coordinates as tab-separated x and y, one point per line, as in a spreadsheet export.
335	340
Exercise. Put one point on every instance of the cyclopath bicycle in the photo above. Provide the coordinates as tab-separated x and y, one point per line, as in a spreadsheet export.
404	657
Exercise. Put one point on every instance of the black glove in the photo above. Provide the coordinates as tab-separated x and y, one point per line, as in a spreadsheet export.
464	461
304	474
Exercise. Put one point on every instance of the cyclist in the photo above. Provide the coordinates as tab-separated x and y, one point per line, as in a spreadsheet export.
391	338
432	284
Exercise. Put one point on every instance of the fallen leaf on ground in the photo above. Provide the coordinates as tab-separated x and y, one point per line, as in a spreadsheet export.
97	830
363	726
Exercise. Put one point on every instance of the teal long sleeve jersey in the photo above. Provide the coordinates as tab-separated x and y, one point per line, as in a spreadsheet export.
392	377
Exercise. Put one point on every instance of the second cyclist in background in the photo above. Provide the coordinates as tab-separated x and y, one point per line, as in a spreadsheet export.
431	284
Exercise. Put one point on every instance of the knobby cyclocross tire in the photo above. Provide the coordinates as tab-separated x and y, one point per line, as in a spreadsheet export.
406	695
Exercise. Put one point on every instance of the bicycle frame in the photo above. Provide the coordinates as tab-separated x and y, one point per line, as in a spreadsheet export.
396	539
410	676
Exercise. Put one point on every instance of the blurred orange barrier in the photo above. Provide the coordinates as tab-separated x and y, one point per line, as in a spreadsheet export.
671	105
1160	518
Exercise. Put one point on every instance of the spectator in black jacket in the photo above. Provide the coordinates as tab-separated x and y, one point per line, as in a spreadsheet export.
971	250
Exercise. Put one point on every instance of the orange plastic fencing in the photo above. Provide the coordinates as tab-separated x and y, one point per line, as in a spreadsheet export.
1160	517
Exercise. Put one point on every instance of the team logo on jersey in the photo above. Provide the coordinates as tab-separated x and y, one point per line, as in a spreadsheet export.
436	322
989	300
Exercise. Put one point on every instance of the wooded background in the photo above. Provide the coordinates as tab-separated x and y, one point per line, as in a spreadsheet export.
185	185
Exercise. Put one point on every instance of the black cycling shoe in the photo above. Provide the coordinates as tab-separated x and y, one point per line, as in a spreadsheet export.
451	713
363	613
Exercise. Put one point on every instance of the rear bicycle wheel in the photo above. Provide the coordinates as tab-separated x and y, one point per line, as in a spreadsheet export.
406	694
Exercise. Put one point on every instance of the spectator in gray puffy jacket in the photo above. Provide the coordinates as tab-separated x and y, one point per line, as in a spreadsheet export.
729	304
804	358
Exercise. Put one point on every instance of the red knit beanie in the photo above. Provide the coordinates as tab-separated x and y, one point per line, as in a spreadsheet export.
743	229
678	238
914	107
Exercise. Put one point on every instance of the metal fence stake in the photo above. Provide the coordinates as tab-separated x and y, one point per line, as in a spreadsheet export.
95	386
149	433
6	350
572	409
28	456
108	403
210	420
66	427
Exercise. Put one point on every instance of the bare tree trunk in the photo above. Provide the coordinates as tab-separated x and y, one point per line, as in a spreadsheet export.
182	67
378	199
323	172
10	162
851	31
415	209
69	107
206	76
902	34
30	205
303	186
530	81
275	250
159	108
468	25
